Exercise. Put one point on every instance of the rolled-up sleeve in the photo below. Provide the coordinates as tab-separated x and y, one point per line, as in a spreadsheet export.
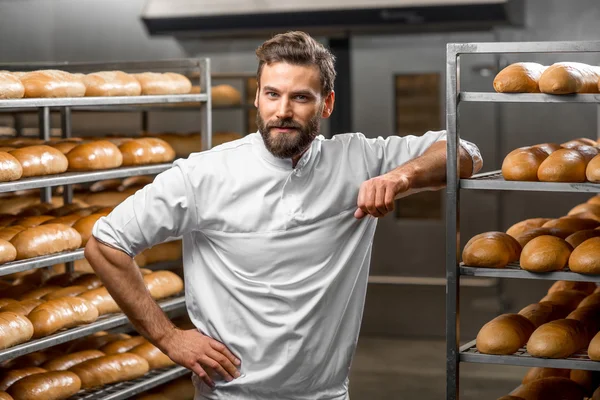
161	210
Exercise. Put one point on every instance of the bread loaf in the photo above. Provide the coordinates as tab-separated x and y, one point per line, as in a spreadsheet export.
136	181
596	395
52	83
14	375
169	251
594	348
90	281
536	373
572	224
7	219
85	225
528	236
57	314
14	329
69	291
65	146
102	300
6	302
491	250
152	396
146	151
68	220
505	334
45	239
526	225
163	284
122	346
110	369
67	361
557	339
584	378
106	198
225	95
594	200
542	312
111	83
40	160
551	388
156	358
10	86
35	359
592	171
585	259
579	237
154	83
10	167
18	289
521	77
100	154
578	142
36	210
53	385
549	147
545	254
569	299
565	165
38	293
568	78
588	152
585	287
96	341
180	389
30	222
5	396
107	184
7	251
522	164
22	307
183	144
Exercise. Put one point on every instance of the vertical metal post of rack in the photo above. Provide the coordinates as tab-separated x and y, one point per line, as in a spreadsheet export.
145	122
205	109
66	132
452	225
18	124
44	134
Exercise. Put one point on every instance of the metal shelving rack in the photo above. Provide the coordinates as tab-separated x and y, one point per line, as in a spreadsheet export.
456	354
201	102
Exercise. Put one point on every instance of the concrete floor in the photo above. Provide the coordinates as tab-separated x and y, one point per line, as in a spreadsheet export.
407	369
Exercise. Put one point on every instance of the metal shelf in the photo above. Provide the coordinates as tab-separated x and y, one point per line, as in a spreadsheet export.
493	97
514	271
103	323
124	390
580	360
494	181
69	178
40	262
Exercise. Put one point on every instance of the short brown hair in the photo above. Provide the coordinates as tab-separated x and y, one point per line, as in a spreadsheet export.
298	48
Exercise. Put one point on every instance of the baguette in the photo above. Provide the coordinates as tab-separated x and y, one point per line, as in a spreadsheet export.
526	225
14	375
110	369
569	78
102	300
45	239
10	86
100	154
69	291
15	328
111	83
585	259
565	165
57	314
8	252
551	388
10	167
53	385
522	164
122	346
146	151
491	250
536	373
154	83
545	254
23	307
521	77
40	160
162	284
67	361
505	334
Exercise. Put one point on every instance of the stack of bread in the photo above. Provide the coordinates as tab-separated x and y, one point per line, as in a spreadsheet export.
556	384
577	160
559	78
543	244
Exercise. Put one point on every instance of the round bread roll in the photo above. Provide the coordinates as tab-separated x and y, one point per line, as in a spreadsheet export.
592	171
565	165
549	147
521	77
523	164
10	86
111	83
545	254
154	83
568	78
585	287
40	160
526	225
491	250
578	238
15	328
45	239
536	373
572	224
7	251
551	388
585	259
557	339
146	151
12	376
225	95
10	168
505	334
100	154
53	385
52	83
528	236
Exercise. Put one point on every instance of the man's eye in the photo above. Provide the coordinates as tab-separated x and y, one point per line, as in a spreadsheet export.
301	98
271	94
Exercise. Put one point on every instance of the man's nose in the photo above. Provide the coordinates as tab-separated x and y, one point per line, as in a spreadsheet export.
284	110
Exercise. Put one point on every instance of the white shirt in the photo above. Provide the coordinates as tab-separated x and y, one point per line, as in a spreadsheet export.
275	263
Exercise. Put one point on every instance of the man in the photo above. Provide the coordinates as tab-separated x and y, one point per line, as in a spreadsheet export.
277	232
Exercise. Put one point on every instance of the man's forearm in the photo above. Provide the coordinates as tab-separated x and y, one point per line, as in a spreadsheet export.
123	280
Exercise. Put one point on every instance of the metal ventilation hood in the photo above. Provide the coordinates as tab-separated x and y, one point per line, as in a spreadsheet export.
244	18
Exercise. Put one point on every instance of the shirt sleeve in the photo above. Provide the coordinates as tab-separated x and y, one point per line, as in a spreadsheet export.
383	155
160	210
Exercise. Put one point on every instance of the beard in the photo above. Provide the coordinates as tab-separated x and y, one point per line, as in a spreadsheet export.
288	145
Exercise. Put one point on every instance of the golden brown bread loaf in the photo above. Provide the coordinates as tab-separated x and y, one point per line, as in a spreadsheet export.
156	358
588	152
10	167
101	299
85	225
52	83
11	376
569	299
53	385
551	388
14	329
146	151
96	341
183	144
565	165
40	160
163	284
585	207
90	281
594	200
111	83
491	250
9	232
107	184
568	78
180	389
38	293
542	312
594	348
110	369
7	251
578	238
122	346
30	222
557	339
521	77
596	395
505	334
522	164
572	224
536	373
18	289
225	95
68	220
45	239
34	359
69	291
526	225
6	302
23	307
154	83
152	396
585	287
7	219
585	259
592	171
528	236
57	314
36	210
100	154
545	254
65	146
549	147
579	141
136	181
5	396
169	251
64	362
584	378
10	86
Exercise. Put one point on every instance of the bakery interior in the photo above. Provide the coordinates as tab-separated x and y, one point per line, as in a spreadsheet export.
514	291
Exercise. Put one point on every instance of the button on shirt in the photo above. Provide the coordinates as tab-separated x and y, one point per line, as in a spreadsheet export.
275	263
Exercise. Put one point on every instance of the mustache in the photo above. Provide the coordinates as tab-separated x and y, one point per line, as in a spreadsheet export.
285	123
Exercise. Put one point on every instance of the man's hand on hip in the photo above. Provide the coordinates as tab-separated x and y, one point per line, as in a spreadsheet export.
376	196
201	354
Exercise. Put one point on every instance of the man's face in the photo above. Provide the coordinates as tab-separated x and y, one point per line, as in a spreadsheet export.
290	107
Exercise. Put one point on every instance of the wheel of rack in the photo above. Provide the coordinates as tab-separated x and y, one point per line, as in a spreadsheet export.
201	102
456	354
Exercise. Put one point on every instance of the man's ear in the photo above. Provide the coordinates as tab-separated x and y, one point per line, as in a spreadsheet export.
328	107
256	98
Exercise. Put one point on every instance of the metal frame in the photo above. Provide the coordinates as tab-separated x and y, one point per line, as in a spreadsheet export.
491	181
515	271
